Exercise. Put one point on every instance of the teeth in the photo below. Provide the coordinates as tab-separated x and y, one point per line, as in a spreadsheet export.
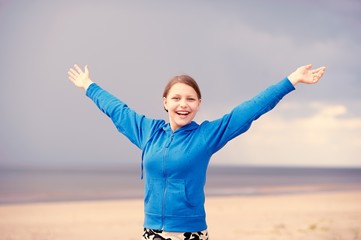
183	113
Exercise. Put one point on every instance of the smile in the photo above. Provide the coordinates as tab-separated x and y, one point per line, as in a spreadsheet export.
183	113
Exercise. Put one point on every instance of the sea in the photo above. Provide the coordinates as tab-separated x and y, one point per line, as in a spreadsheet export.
18	186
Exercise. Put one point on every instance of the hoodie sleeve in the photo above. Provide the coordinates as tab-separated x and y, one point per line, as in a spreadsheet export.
218	132
137	128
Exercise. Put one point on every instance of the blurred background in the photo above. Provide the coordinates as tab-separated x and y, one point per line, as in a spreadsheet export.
234	49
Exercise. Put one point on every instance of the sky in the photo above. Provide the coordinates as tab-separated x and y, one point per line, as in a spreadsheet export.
234	49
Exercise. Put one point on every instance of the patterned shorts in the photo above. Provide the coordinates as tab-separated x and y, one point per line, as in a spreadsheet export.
150	234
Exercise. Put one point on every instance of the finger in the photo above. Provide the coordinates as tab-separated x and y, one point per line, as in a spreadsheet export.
71	79
318	76
321	74
86	70
322	70
78	68
308	66
316	79
73	73
318	70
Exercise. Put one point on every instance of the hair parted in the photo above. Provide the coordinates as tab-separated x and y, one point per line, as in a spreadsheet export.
185	79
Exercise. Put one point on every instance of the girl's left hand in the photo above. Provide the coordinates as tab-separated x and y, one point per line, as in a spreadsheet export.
305	74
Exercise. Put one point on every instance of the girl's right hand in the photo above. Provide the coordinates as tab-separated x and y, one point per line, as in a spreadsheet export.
79	77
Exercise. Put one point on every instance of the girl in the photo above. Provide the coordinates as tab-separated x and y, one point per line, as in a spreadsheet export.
175	154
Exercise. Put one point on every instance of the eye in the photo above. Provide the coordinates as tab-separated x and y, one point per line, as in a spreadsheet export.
175	98
191	99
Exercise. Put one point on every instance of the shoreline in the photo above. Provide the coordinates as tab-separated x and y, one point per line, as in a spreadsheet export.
321	215
282	190
114	184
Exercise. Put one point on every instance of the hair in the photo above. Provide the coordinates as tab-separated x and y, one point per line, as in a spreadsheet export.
185	79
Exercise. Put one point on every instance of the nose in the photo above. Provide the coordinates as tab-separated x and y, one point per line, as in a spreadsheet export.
183	104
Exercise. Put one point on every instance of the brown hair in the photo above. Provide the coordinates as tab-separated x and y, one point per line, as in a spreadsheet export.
182	79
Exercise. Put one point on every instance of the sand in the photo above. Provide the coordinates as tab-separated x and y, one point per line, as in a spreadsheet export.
331	216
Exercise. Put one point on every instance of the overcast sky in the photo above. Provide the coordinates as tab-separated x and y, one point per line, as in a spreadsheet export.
234	49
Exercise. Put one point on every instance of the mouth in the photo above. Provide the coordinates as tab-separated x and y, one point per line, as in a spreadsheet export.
183	113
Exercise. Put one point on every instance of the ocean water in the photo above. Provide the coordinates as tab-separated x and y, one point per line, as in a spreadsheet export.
28	186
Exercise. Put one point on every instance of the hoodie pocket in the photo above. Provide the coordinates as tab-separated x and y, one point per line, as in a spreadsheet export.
154	196
176	200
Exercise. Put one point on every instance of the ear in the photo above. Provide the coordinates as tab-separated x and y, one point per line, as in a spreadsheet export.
165	104
199	103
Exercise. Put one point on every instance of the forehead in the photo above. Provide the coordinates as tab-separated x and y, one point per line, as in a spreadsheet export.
182	88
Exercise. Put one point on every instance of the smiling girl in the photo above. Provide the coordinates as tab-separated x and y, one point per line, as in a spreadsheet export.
176	154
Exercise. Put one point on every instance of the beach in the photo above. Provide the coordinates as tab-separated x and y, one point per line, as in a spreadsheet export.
317	215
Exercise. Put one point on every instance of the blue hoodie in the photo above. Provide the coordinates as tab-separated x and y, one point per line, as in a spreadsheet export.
175	163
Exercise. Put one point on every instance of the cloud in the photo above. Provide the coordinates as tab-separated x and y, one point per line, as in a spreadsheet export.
326	137
233	50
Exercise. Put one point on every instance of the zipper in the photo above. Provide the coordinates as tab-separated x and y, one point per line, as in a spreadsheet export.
165	178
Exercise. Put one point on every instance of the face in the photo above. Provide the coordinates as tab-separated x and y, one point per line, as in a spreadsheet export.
182	104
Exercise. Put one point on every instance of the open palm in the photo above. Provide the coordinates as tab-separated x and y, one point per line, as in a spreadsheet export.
305	74
79	77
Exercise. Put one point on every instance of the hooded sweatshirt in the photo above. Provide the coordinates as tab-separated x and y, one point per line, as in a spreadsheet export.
174	164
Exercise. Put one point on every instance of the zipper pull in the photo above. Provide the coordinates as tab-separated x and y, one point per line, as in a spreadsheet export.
170	141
